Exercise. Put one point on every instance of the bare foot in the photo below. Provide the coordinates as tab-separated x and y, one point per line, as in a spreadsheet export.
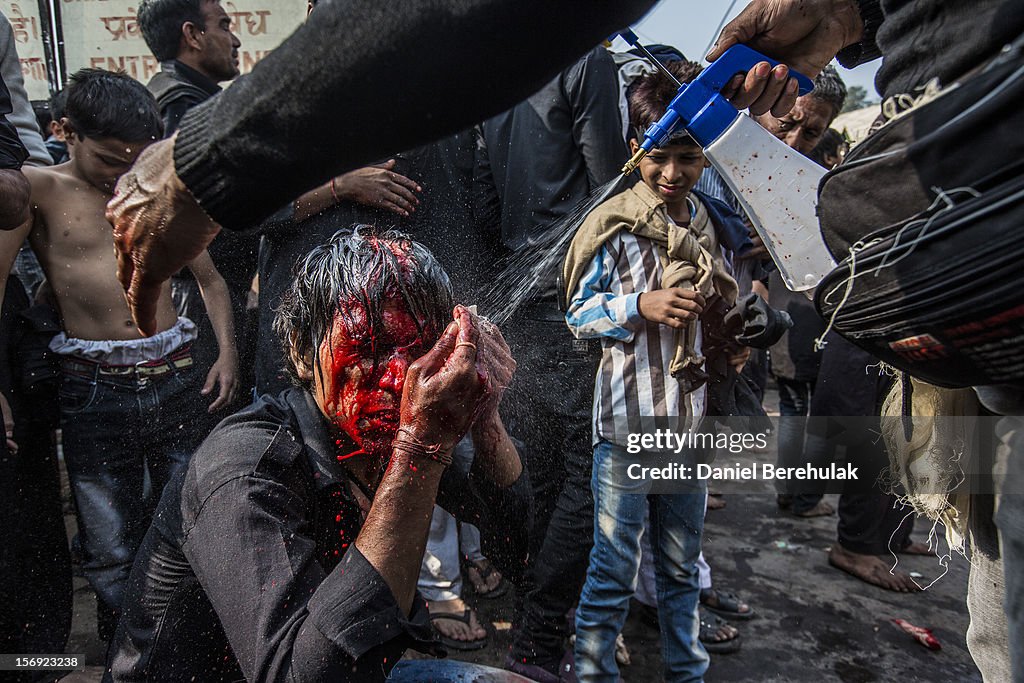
916	548
453	627
622	657
822	509
870	569
715	503
484	577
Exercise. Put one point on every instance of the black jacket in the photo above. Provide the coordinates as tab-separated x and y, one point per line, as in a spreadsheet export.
249	566
177	89
336	95
549	152
12	152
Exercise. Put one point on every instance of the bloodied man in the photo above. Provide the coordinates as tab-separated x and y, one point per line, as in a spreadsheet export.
291	548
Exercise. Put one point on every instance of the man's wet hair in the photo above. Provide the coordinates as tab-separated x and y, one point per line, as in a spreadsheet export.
650	96
161	21
111	104
830	89
364	266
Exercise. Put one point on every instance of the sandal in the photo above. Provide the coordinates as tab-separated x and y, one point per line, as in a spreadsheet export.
484	569
726	604
461	645
709	627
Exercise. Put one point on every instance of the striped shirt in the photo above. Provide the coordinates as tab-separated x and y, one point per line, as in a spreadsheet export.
633	392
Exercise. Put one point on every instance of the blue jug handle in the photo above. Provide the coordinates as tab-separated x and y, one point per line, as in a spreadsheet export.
740	58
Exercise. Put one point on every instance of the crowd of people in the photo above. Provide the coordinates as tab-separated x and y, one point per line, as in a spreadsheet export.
294	441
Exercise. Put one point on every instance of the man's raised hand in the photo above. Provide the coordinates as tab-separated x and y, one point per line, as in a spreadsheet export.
158	229
443	390
804	34
380	187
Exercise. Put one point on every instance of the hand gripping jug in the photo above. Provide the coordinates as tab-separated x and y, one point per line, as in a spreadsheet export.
776	186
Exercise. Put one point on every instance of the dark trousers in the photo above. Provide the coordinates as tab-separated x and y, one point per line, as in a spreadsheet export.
35	598
873	524
795	402
549	408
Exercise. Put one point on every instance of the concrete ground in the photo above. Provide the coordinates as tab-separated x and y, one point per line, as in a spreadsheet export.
813	623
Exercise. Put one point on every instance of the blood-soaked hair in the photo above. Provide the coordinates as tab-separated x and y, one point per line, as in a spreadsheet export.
650	96
362	266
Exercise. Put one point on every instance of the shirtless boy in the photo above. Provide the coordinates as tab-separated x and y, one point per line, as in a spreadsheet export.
127	402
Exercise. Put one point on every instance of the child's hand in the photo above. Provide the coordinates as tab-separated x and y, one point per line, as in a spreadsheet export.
673	307
225	373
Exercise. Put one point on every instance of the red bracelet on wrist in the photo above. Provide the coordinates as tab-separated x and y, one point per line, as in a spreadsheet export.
334	191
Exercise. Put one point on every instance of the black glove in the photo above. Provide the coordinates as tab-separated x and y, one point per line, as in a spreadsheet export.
757	324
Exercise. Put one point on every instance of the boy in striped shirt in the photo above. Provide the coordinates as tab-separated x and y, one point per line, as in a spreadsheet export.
643	268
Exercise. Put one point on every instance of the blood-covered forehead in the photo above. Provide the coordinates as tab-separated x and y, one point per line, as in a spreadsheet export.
387	324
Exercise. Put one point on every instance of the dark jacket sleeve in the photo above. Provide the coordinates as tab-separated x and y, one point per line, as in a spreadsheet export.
359	69
867	49
12	151
285	618
172	114
486	201
592	89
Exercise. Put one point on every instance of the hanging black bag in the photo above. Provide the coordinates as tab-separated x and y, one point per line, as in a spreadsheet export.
938	292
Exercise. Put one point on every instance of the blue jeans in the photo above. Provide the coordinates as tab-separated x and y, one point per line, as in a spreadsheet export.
123	436
677	523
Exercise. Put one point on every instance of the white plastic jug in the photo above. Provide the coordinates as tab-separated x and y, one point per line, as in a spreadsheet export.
778	189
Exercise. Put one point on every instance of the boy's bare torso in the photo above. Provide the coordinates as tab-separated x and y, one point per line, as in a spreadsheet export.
74	243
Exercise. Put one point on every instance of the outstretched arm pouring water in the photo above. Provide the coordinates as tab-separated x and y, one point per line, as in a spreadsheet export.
225	166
